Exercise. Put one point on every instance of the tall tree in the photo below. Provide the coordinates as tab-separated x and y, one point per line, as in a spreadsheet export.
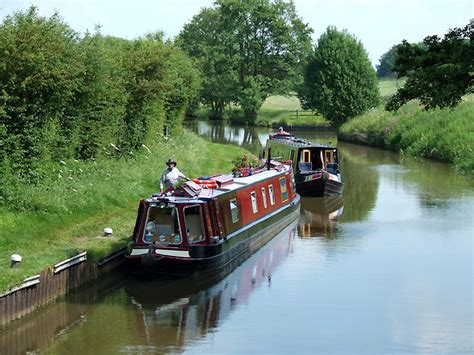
386	63
248	50
438	73
339	79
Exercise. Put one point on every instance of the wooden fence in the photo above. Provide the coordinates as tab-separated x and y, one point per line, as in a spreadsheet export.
300	113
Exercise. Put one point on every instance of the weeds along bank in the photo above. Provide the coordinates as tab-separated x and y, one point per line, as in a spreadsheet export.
67	214
446	135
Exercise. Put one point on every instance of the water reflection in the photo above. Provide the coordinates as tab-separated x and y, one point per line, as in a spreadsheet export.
175	312
250	138
319	216
387	267
37	331
361	182
140	316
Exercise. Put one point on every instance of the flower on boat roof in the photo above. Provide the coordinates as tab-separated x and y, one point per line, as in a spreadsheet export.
246	161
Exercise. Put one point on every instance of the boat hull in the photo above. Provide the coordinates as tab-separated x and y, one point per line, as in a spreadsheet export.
247	240
317	185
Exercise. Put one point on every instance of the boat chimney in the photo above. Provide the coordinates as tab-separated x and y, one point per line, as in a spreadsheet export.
269	158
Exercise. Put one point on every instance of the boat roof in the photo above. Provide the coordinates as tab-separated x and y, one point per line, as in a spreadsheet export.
236	183
295	142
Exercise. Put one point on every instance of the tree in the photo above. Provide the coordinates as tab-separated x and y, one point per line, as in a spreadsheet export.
386	63
203	39
247	50
339	80
40	75
438	73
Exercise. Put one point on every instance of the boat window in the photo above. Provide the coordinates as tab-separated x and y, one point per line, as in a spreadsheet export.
264	197
306	156
272	196
234	210
194	228
284	193
253	198
328	156
162	226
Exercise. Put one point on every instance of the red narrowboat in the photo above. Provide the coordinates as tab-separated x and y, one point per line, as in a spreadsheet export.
208	223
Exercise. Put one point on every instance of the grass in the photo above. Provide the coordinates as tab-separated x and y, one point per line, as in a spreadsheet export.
446	135
388	87
281	110
67	215
276	109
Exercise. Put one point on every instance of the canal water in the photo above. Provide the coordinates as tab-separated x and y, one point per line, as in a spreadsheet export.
386	268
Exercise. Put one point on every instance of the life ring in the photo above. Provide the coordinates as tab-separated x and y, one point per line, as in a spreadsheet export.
206	184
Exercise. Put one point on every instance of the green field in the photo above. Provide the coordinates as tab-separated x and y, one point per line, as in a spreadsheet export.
282	110
64	217
388	87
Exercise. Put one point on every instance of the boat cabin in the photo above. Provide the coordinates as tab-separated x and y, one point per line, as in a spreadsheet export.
305	156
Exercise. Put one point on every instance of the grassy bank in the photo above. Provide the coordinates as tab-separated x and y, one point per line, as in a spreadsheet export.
67	215
446	135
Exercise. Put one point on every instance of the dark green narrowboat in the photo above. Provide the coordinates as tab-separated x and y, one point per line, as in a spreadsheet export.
316	166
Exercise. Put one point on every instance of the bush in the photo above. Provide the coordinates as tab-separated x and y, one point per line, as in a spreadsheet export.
339	80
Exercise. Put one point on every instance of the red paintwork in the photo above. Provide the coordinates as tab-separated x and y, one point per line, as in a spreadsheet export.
243	196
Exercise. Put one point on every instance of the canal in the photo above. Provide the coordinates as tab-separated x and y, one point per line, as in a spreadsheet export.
386	268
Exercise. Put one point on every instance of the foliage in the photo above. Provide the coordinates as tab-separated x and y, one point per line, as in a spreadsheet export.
438	73
386	63
442	134
100	104
40	75
339	79
246	161
247	50
63	97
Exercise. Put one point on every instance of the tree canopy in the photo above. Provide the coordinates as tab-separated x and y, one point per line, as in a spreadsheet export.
63	96
247	50
339	80
386	63
439	72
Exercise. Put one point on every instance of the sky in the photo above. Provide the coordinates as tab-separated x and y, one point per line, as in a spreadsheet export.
378	24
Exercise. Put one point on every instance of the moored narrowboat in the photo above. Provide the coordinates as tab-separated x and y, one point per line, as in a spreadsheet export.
209	222
316	166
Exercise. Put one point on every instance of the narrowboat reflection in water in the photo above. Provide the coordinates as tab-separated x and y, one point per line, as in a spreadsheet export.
175	311
319	215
